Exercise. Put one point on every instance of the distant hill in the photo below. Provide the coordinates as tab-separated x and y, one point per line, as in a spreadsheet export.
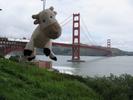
59	50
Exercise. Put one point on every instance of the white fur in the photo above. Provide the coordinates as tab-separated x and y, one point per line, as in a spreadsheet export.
39	39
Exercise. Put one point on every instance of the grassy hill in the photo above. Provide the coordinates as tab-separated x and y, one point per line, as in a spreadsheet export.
24	81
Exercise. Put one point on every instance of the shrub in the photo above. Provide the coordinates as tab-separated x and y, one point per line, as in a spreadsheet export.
14	58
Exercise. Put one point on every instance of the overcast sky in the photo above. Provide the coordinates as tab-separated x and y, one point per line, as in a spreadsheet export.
104	19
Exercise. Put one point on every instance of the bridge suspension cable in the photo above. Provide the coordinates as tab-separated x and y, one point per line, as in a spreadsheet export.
88	35
66	21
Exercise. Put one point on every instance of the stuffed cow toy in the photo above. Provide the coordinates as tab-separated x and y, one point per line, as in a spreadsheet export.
48	28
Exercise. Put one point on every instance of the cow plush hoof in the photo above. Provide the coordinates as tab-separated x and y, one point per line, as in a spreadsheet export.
54	58
27	52
31	58
46	51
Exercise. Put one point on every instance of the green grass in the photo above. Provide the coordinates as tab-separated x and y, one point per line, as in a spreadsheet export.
24	81
27	82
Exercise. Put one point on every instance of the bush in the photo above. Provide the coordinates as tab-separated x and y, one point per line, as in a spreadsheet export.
113	87
14	58
1	56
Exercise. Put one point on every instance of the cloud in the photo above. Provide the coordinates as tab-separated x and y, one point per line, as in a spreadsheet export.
103	18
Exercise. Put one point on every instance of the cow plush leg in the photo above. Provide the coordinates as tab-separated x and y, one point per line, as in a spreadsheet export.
52	56
29	55
49	53
46	51
29	51
31	58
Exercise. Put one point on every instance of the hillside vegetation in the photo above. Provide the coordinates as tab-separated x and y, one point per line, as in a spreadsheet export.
24	81
27	82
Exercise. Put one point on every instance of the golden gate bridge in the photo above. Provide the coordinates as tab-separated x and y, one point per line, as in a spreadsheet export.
7	46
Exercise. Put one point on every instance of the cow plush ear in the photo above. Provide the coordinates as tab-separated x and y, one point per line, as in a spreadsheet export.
51	8
35	16
36	21
55	12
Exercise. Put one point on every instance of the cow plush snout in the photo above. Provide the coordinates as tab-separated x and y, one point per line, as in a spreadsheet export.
54	31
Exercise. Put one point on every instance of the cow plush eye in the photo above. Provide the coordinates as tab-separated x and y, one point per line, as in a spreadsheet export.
51	16
44	20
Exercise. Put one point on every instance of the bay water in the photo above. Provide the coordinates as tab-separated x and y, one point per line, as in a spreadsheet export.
93	65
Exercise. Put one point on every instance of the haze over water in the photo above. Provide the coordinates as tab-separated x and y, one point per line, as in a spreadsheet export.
94	66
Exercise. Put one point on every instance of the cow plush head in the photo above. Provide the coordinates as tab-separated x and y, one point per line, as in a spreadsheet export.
48	23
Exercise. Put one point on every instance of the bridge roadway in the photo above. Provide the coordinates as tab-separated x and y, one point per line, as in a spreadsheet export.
7	46
84	46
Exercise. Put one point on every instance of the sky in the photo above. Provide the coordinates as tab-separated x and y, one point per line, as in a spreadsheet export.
100	20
